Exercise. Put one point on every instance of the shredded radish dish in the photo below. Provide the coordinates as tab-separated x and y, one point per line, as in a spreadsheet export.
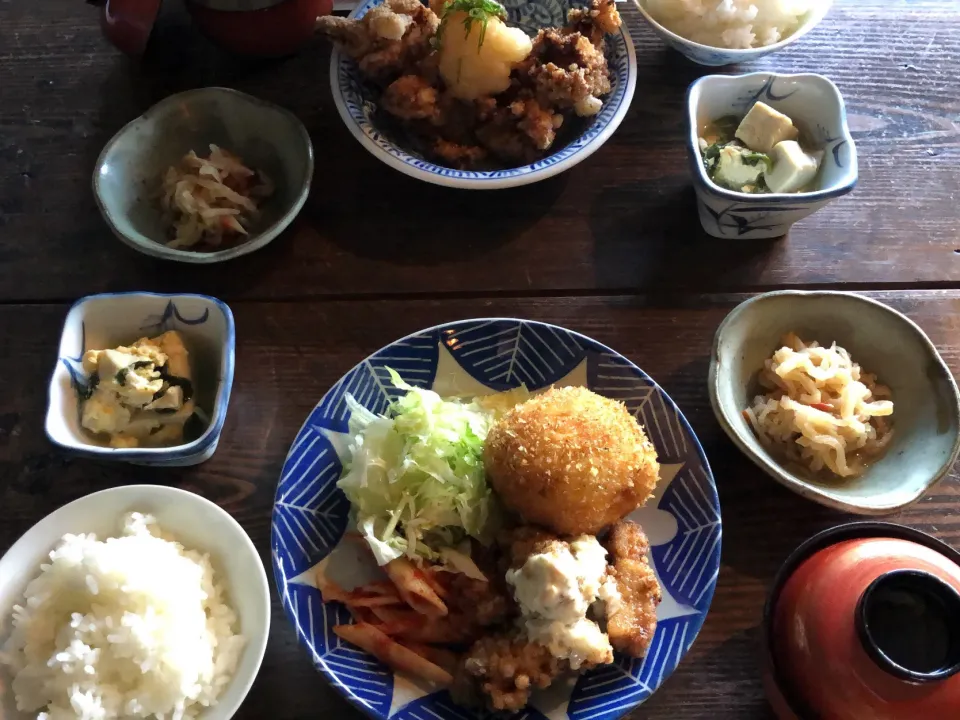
211	202
820	409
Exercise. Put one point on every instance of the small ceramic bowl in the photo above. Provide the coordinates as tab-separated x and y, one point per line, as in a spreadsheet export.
195	522
816	107
863	620
106	321
356	104
129	171
926	415
717	56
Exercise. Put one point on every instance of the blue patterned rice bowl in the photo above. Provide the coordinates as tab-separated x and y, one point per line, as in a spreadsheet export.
357	107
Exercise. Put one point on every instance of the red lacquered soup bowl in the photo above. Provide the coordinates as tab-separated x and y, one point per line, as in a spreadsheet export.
267	28
863	622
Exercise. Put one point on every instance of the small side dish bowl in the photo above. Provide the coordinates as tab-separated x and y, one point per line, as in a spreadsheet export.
195	522
113	319
926	415
718	56
129	171
357	108
816	107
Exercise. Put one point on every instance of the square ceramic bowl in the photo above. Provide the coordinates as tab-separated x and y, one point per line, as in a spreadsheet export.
106	321
926	414
816	107
129	171
717	56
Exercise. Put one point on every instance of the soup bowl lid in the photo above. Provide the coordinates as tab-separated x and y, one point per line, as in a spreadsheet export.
864	621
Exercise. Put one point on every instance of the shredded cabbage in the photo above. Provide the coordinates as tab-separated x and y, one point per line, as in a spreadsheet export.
415	476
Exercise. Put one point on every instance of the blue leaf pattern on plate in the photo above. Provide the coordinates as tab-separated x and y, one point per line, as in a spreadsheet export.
310	513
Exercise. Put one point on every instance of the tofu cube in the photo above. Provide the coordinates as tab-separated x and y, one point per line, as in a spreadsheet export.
763	127
793	169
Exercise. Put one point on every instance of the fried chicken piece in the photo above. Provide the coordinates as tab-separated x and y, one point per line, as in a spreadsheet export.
632	622
601	18
485	603
521	542
571	461
387	42
519	131
503	670
566	71
459	156
410	97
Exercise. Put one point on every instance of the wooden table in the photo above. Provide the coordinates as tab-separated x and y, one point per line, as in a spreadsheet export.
611	248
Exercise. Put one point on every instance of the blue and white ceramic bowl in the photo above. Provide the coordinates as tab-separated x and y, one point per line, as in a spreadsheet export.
357	107
112	319
815	105
475	357
718	56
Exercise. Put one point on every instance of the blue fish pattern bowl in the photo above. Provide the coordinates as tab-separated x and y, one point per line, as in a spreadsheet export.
470	358
112	319
815	105
357	107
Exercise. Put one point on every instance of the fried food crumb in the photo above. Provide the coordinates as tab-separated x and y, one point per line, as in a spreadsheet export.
503	670
571	461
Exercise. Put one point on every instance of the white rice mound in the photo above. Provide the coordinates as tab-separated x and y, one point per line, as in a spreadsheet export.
735	24
131	627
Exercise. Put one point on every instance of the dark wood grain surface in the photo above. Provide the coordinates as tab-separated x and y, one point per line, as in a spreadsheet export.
623	220
289	355
612	249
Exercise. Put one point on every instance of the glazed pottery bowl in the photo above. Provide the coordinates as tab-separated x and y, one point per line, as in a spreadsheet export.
926	416
106	321
716	56
863	620
816	107
194	521
128	173
356	102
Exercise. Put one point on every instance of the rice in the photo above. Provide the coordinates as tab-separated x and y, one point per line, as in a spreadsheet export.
821	410
738	24
135	626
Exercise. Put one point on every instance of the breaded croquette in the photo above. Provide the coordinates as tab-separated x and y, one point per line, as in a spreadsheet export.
571	461
632	622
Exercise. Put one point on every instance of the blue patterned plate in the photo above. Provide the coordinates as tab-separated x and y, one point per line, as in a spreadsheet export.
356	106
475	357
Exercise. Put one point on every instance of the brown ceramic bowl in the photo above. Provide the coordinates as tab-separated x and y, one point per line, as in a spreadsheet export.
266	28
863	620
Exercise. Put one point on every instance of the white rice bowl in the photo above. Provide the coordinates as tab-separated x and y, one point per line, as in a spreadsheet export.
134	626
734	24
